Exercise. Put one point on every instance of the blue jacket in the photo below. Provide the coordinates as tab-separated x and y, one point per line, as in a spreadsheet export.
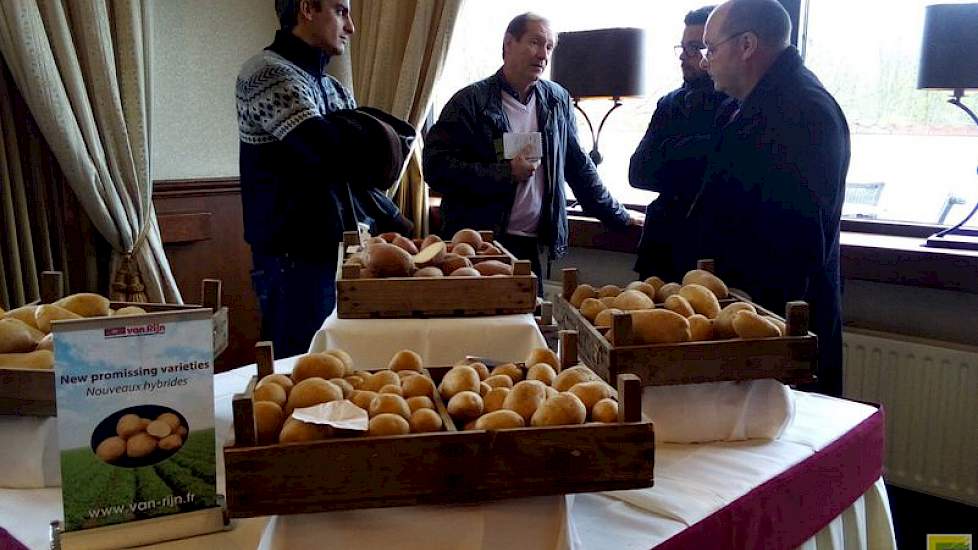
463	160
770	206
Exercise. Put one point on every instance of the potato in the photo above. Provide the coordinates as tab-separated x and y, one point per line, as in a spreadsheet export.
463	249
590	308
465	405
431	255
702	299
111	449
391	388
420	402
129	311
480	368
415	386
46	343
140	445
581	293
405	244
574	375
782	327
659	326
171	442
389	236
452	262
606	317
312	391
296	430
562	409
470	236
389	403
748	324
278	379
144	423
605	410
269	392
525	397
680	305
609	291
543	355
551	392
46	313
268	421
159	429
39	359
430	271
644	288
707	279
723	324
317	365
171	419
388	424
608	301
700	328
405	360
542	372
489	251
493	267
388	260
128	425
429	240
17	336
379	379
465	272
425	420
355	380
500	420
591	392
484	388
344	357
86	304
666	291
510	370
631	300
493	400
458	379
345	387
362	398
655	282
24	314
499	381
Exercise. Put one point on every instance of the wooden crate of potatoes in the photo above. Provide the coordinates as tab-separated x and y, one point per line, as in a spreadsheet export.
697	331
27	347
437	435
394	277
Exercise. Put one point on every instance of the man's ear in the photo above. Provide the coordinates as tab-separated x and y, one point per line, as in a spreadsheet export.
306	9
747	45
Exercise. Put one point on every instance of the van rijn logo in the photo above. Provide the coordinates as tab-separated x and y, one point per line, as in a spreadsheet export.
949	542
151	329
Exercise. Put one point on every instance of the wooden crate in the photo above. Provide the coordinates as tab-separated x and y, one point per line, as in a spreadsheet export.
791	359
448	467
420	297
544	317
30	392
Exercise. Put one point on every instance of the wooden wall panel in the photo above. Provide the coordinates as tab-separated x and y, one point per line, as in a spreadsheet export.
203	236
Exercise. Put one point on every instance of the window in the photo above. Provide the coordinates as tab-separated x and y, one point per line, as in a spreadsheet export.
476	52
913	155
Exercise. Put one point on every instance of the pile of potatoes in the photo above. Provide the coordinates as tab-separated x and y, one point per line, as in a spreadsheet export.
25	332
672	312
398	400
509	396
138	437
393	255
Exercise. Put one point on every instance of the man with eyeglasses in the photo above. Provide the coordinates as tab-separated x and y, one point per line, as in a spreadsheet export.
770	206
671	157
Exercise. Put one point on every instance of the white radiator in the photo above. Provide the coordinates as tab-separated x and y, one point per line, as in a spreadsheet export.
929	390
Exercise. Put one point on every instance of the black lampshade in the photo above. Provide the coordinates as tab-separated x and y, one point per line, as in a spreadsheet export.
949	49
600	63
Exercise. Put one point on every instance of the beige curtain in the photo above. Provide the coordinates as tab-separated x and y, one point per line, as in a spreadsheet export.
34	200
82	68
396	56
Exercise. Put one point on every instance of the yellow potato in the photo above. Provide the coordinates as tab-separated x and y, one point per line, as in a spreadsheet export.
362	398
582	292
388	424
777	322
389	403
680	305
344	357
666	291
159	429
465	405
46	343
128	425
574	375
312	391
607	301
700	328
723	324
296	430
128	311
525	397
86	304
269	392
562	409
111	449
499	381
493	400
140	445
605	410
702	299
510	370
171	442
606	317
379	379
17	336
459	379
414	386
655	282
591	392
345	387
171	419
46	313
500	420
542	372
707	279
644	288
748	324
392	388
543	355
268	422
355	380
484	388
591	307
40	359
420	402
24	314
659	326
405	360
609	291
631	300
480	368
317	365
425	420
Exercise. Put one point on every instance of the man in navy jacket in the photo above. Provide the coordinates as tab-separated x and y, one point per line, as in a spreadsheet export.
769	208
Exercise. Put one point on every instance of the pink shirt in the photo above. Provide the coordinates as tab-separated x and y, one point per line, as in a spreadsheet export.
525	215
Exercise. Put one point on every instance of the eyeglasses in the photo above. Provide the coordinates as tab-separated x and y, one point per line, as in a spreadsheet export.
709	51
691	50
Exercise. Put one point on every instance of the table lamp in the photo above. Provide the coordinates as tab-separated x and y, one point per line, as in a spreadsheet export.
600	63
949	61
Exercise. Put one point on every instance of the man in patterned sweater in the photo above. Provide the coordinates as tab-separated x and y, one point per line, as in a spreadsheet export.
294	167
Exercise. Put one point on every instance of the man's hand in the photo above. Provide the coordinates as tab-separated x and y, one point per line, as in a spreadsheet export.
635	218
522	167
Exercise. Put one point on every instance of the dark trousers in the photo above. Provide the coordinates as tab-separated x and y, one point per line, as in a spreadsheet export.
526	248
295	297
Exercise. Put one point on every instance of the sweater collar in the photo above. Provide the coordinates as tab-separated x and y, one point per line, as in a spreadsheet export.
510	90
787	63
310	59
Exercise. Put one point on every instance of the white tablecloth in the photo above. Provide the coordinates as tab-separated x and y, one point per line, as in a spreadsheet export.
691	482
440	342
